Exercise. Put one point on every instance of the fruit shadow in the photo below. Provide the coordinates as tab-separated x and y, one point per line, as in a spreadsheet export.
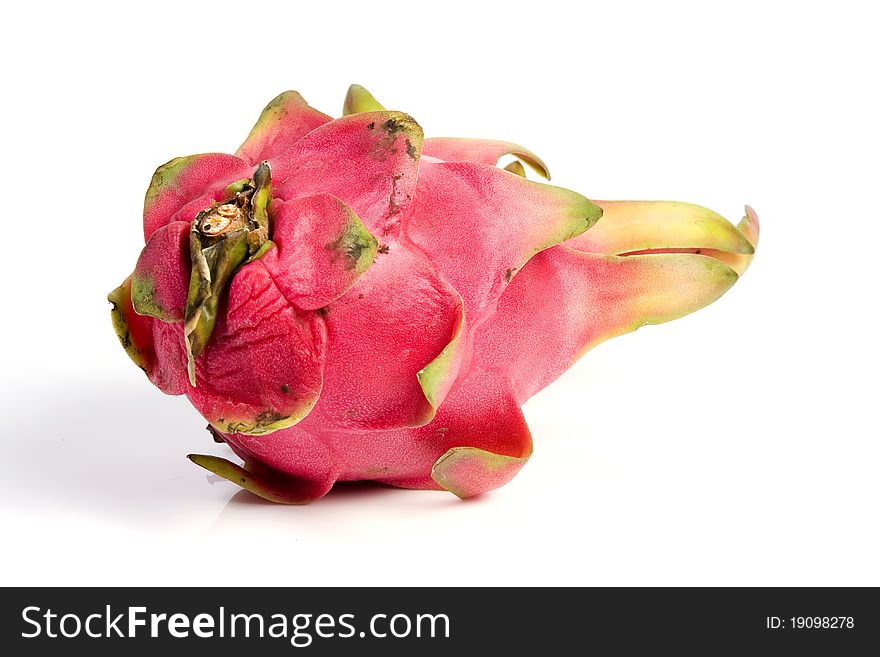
351	509
116	451
107	449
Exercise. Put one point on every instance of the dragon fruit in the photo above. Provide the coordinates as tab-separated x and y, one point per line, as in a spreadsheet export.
343	299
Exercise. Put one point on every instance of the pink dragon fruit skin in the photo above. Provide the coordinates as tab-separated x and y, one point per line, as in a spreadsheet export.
346	300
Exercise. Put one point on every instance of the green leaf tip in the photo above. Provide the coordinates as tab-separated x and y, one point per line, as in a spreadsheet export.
120	298
358	100
261	481
436	377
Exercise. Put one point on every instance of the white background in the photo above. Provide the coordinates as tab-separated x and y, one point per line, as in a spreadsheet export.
736	446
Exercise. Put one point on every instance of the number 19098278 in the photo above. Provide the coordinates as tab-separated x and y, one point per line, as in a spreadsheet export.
810	623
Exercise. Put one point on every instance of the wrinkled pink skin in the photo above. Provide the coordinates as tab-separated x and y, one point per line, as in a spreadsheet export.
466	250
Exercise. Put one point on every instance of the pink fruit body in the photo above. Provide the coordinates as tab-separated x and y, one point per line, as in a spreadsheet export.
346	300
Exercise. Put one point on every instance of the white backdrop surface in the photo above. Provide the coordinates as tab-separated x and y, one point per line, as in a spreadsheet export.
738	445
